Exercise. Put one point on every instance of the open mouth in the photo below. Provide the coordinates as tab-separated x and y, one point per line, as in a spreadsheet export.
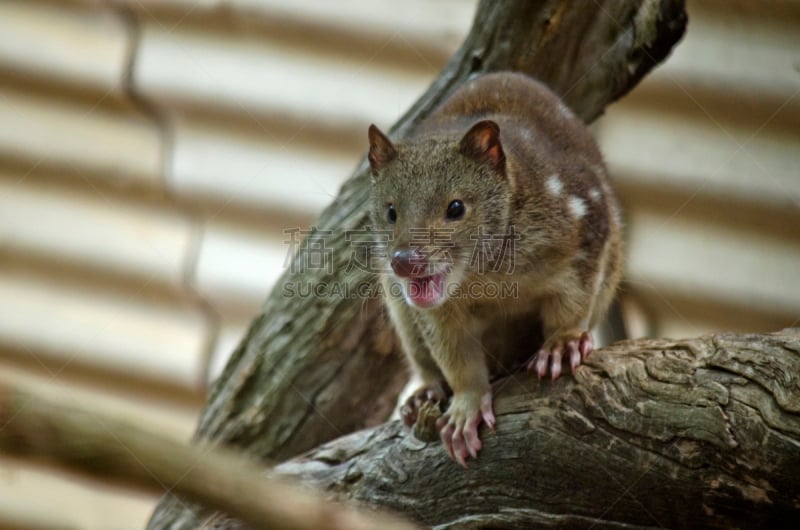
426	291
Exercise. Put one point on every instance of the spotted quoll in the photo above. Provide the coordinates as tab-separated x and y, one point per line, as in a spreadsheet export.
505	244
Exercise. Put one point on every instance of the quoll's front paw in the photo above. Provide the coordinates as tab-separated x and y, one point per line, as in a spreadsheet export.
430	393
575	345
458	427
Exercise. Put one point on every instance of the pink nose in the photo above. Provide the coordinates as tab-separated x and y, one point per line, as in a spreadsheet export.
407	263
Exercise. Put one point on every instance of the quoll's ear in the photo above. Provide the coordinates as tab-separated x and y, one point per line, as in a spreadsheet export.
381	150
482	143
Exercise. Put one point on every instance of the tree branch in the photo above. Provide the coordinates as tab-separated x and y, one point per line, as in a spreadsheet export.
649	433
101	447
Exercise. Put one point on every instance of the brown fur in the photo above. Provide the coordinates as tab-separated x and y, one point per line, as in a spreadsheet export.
545	178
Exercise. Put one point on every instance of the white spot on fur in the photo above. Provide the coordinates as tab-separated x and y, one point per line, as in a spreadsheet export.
595	194
565	111
527	135
577	206
554	185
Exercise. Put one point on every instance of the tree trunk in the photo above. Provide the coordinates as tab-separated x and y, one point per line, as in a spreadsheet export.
311	369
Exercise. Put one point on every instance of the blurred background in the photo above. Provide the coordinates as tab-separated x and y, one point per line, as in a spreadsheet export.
153	151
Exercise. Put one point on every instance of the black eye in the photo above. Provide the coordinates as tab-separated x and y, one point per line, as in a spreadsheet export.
455	210
391	215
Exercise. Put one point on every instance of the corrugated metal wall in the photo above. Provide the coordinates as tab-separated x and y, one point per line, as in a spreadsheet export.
151	155
706	157
153	152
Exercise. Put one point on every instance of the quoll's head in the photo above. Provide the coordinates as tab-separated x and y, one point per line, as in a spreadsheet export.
436	195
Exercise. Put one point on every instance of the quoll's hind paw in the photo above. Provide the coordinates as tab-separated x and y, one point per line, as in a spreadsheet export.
574	346
458	427
431	393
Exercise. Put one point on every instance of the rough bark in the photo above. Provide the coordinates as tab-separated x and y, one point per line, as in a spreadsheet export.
311	369
649	433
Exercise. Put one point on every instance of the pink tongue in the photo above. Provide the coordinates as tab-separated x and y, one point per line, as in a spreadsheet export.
425	291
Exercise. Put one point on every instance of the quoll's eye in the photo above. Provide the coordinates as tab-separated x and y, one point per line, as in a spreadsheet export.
391	214
455	210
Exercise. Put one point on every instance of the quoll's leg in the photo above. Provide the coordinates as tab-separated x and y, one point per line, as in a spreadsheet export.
455	345
437	392
468	376
573	344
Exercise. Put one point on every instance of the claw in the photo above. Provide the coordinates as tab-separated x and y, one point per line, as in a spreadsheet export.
541	364
471	438
574	345
586	344
486	411
459	445
446	434
555	363
458	428
574	354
